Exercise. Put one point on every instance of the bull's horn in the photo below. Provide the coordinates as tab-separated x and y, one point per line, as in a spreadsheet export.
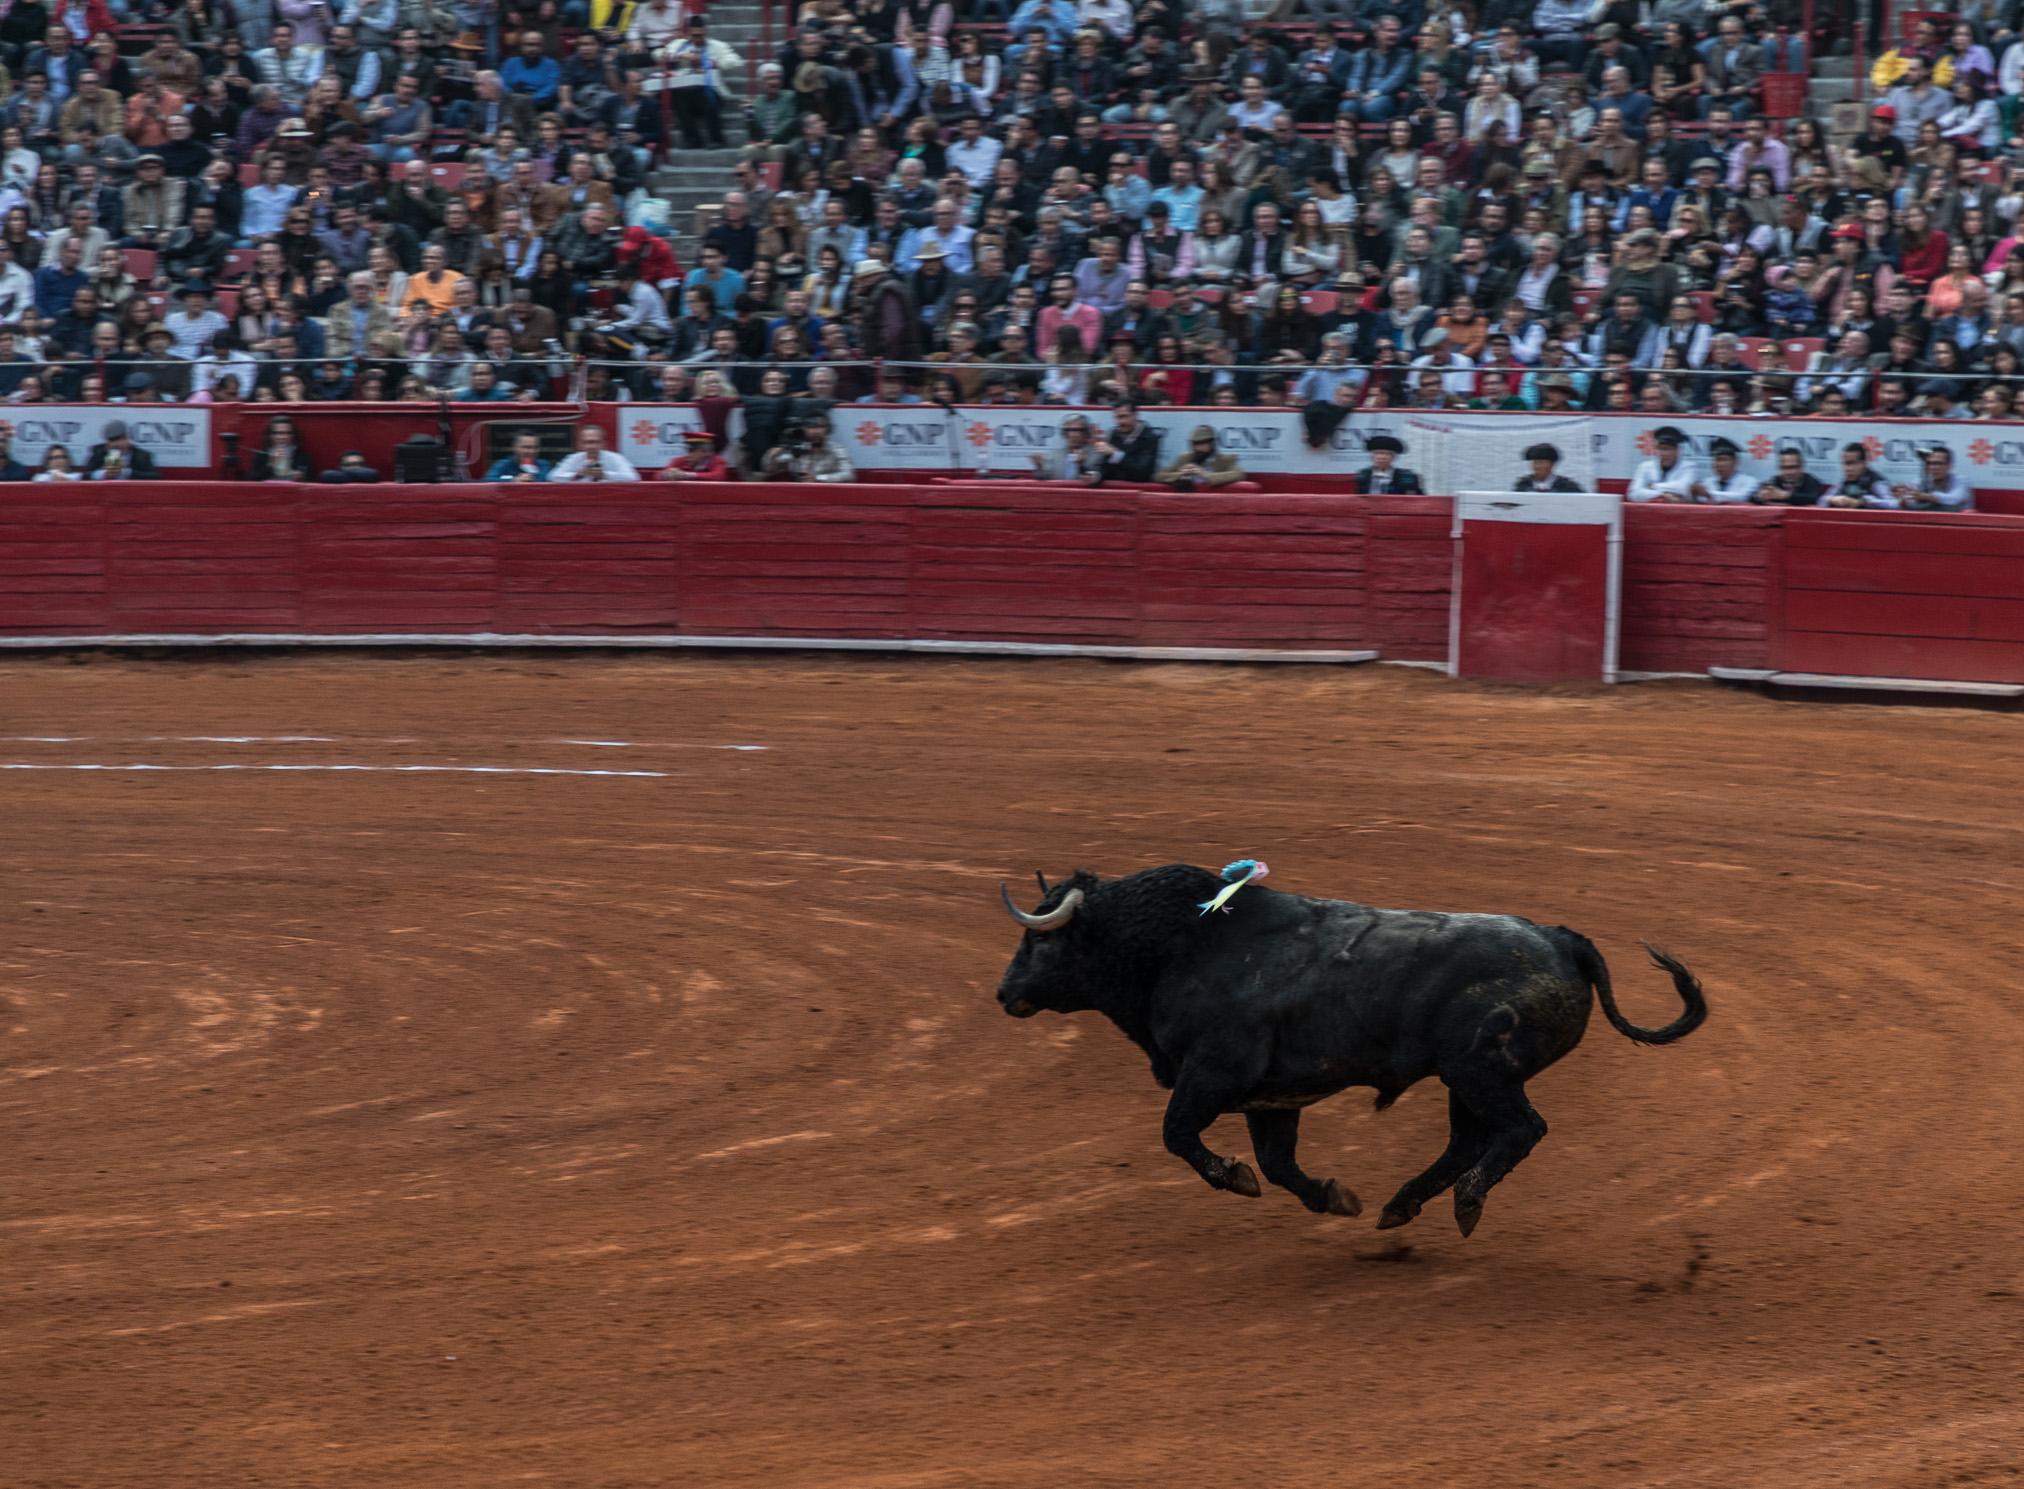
1053	920
1043	883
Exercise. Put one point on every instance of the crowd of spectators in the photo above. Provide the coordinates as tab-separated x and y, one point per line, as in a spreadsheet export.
1524	205
1567	204
293	201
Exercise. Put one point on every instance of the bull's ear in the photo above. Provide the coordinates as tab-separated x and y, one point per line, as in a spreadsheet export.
1043	882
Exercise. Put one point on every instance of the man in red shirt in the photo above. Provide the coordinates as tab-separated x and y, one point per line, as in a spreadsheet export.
1066	310
699	461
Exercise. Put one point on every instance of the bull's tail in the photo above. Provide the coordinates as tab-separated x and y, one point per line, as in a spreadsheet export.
1591	965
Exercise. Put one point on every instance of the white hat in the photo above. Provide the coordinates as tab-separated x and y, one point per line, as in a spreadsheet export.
867	266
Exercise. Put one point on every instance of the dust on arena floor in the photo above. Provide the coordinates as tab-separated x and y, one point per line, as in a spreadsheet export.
454	1127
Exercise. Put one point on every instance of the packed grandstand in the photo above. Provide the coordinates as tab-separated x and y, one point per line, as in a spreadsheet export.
1060	221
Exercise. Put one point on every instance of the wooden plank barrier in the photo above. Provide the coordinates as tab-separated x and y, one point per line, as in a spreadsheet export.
1866	594
1924	595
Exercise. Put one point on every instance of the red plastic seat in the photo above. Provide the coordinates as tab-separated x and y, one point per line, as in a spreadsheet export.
1320	302
140	262
448	174
239	263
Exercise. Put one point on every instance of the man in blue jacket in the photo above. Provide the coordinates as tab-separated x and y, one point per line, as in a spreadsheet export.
524	464
1377	75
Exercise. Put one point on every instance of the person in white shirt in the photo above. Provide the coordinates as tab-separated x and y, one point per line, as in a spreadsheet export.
974	152
592	461
1941	489
1727	483
192	327
1256	111
289	67
17	285
1667	477
1439	355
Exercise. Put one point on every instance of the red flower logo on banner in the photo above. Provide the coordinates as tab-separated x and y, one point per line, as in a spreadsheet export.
1760	447
643	431
1874	446
868	433
1981	452
978	434
1645	445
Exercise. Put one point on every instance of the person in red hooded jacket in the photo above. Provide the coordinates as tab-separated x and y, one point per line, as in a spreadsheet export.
699	460
655	256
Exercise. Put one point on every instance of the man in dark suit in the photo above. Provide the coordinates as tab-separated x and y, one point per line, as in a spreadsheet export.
1262	59
1382	477
118	459
1135	318
1319	78
1131	451
1259	251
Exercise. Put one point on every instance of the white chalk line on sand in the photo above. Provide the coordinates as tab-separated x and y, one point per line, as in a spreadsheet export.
483	770
605	744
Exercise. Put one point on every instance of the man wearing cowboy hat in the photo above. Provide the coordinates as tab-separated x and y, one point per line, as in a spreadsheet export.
1668	476
1543	478
891	324
1382	477
699	460
1201	464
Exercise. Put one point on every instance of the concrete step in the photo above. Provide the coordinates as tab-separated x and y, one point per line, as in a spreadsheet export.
1834	67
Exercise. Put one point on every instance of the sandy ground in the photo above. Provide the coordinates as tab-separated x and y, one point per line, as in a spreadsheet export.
428	1129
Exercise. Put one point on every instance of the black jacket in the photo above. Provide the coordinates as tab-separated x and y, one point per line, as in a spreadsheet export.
140	465
1136	459
1403	481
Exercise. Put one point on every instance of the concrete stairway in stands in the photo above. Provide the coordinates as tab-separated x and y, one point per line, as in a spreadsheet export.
1833	82
689	179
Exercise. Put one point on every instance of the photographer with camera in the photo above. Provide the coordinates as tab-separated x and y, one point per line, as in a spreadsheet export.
806	454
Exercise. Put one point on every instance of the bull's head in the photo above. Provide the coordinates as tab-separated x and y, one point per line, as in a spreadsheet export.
1040	976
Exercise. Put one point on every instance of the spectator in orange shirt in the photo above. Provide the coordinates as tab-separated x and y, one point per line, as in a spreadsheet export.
148	111
436	285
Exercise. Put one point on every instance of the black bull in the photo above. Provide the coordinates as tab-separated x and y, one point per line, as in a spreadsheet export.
1281	1000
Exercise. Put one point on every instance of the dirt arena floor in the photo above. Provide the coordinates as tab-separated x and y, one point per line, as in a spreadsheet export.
421	1128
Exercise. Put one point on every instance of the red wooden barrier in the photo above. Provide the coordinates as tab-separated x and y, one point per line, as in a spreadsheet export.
1870	594
1923	595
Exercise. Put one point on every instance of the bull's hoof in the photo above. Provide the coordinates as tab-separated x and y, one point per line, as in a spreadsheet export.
1392	1218
1242	1180
1466	1217
1341	1199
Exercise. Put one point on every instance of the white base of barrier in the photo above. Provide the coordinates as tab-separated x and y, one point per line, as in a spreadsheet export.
1866	684
708	643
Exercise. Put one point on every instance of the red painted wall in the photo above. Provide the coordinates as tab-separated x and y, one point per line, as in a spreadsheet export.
1894	594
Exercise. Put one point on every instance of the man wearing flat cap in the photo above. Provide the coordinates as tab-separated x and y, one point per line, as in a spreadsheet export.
1201	466
119	459
1544	478
1668	476
1383	477
1942	397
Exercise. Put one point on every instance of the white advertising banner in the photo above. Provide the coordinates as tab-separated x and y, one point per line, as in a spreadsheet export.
1450	451
176	434
651	434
